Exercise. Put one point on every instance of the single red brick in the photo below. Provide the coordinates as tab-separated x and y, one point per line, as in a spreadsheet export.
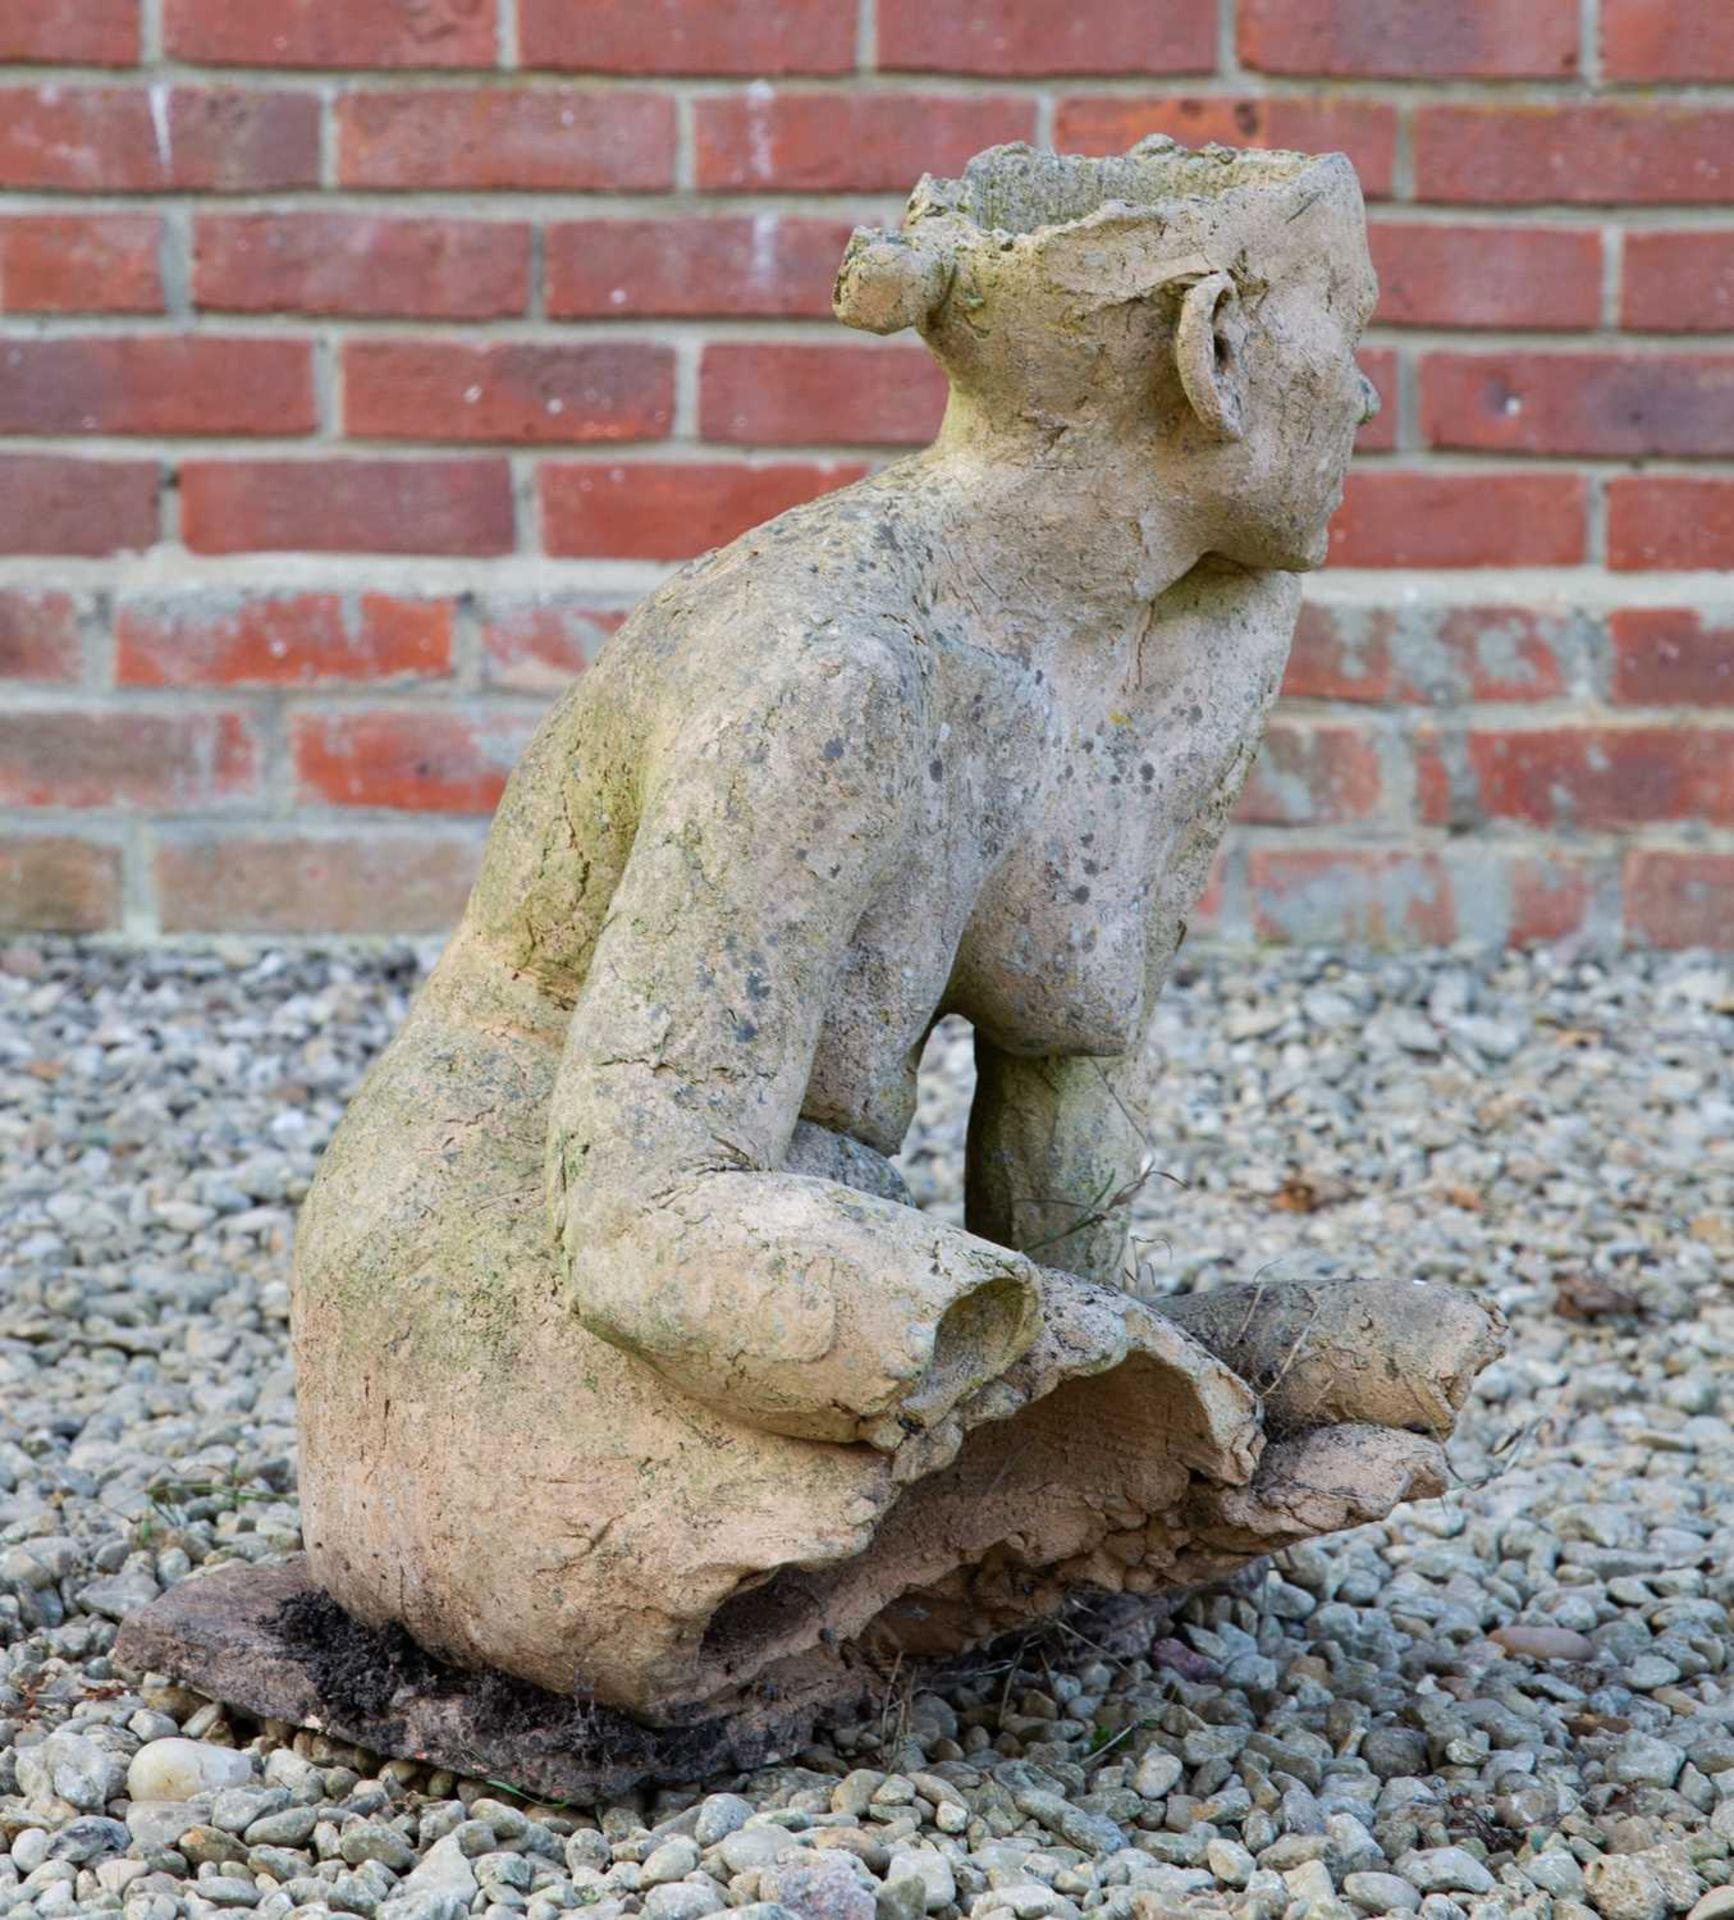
694	264
1548	899
1365	130
1411	39
1431	654
1372	895
668	510
156	385
1379	435
1668	40
1037	37
80	263
1602	777
39	638
1610	404
96	758
1678	282
1585	153
549	140
1340	653
1513	277
1671	657
51	883
151	140
50	503
352	884
1312	773
332	33
422	759
361	264
347	506
86	33
797	395
846	143
525	392
213	639
541	645
1461	520
1679	899
1670	521
689	36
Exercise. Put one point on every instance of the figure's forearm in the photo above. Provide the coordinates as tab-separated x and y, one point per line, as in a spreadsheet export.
798	1304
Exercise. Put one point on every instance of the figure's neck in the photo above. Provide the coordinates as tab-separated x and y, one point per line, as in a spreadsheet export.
1074	540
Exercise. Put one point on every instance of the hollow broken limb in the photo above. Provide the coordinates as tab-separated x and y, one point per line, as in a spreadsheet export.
1384	1353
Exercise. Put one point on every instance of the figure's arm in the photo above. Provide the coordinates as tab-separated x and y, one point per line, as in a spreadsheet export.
794	1303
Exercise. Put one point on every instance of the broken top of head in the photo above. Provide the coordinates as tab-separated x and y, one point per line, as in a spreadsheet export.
626	1367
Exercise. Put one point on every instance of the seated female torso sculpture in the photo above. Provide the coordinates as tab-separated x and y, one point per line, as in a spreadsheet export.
625	1364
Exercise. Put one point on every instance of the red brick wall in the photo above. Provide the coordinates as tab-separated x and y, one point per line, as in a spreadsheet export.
361	361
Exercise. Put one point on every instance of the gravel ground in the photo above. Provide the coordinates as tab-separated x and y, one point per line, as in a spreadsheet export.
1513	1700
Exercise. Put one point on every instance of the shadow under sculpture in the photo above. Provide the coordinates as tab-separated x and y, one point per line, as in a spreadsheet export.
625	1365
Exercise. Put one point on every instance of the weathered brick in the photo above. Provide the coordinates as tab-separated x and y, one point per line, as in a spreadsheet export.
90	33
50	503
689	36
1547	899
91	757
1461	520
1004	37
350	505
1610	404
1678	282
361	265
39	635
1366	130
1598	778
670	510
52	883
1313	773
855	142
157	384
331	33
1411	39
1436	655
1579	153
547	140
524	392
1679	898
1671	657
211	638
694	264
1668	40
1376	896
1509	277
80	263
420	759
150	140
796	395
541	643
302	883
1668	521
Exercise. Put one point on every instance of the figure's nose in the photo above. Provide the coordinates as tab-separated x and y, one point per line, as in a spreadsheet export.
1370	401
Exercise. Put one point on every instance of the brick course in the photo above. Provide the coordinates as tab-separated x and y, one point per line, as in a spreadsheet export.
364	361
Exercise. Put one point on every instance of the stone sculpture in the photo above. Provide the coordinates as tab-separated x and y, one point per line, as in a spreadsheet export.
626	1368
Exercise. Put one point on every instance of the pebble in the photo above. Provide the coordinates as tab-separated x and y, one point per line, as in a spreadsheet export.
1538	1668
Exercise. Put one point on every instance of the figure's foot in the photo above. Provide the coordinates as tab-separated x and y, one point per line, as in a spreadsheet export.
1387	1353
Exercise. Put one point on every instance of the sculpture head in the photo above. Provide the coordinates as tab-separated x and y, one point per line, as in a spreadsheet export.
1195	311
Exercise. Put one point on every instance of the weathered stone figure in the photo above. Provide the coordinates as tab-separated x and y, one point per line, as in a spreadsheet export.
625	1365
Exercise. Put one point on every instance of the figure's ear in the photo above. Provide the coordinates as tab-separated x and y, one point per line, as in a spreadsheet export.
1208	347
887	283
